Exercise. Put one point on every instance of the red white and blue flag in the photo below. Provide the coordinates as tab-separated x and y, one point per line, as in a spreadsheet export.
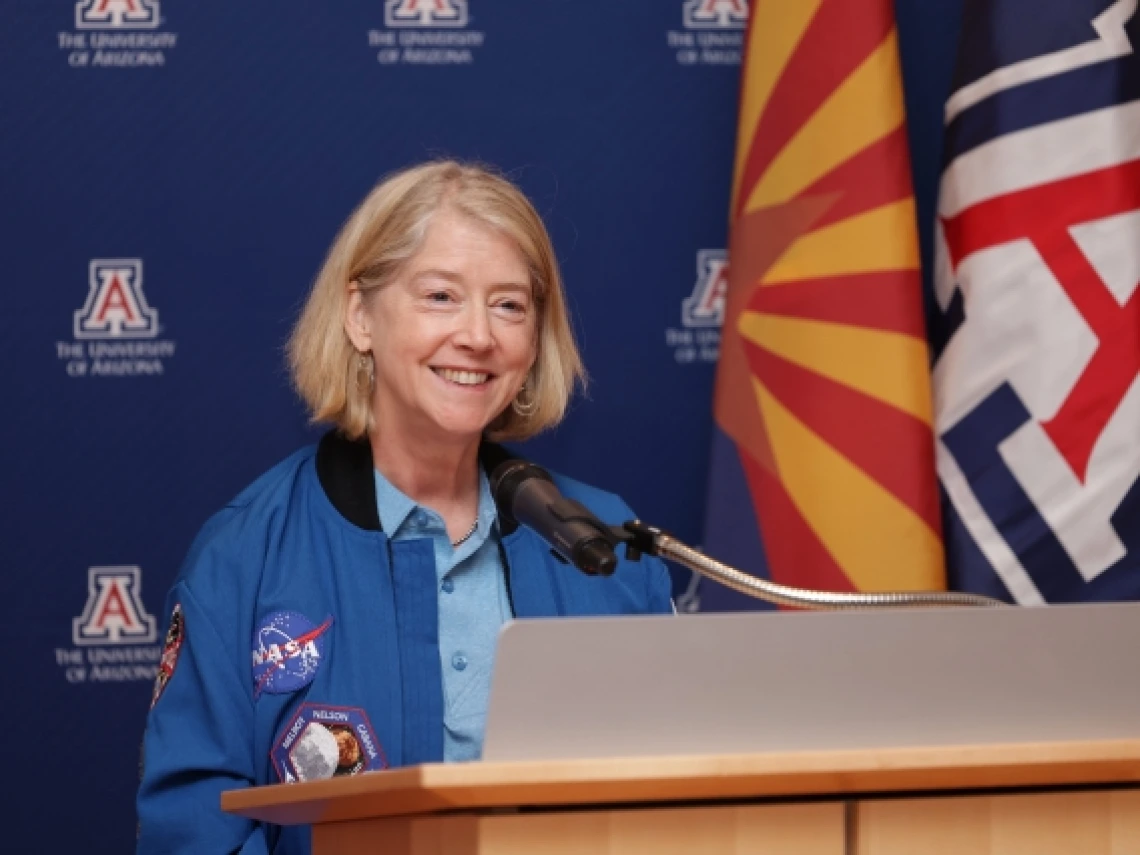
1037	408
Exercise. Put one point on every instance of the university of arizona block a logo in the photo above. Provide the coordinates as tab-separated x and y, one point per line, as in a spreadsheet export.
716	14
116	306
425	13
705	306
712	33
117	34
116	332
697	340
116	14
1037	397
114	613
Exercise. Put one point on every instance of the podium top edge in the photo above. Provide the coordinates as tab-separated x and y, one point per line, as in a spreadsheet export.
439	787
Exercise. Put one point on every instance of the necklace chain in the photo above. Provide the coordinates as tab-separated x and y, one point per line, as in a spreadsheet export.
467	536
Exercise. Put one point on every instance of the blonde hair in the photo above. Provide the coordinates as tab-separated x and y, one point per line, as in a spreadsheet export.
371	248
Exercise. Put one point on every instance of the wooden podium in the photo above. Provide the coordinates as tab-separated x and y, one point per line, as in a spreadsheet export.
1061	798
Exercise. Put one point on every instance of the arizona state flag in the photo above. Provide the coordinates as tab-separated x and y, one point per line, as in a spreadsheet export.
823	455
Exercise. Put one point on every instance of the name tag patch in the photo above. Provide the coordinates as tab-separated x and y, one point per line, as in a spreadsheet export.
287	651
321	742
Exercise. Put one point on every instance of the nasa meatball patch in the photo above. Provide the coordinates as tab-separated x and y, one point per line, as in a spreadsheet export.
170	650
321	742
287	651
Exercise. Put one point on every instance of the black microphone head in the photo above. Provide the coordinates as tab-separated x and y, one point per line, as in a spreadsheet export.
506	479
596	557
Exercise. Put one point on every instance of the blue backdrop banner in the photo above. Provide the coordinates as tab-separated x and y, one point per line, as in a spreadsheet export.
174	173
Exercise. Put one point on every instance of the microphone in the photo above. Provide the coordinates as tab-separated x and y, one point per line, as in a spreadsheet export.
525	494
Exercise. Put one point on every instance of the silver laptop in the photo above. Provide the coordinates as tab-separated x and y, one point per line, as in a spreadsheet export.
738	683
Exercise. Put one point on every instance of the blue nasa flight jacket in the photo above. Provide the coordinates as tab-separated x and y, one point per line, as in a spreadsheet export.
306	538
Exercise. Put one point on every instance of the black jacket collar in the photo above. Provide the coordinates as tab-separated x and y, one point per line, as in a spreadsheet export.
344	468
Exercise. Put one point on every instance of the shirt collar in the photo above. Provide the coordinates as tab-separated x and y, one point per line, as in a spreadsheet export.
395	508
488	514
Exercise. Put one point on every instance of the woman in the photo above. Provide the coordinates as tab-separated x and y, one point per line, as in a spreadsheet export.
340	614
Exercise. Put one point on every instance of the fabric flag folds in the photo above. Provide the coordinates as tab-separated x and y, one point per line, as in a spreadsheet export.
1037	401
823	453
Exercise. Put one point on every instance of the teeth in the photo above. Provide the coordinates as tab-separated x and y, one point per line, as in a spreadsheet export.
463	378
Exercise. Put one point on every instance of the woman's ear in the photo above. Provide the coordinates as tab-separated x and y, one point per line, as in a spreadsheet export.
357	324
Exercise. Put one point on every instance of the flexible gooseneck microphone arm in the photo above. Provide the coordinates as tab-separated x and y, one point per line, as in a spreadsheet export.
526	494
640	537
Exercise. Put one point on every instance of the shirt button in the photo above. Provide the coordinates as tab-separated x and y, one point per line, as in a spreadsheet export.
448	586
458	661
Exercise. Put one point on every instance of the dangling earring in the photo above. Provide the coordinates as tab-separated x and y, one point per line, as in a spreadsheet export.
365	368
526	401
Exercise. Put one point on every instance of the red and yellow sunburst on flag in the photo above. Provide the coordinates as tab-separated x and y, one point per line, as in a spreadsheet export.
824	381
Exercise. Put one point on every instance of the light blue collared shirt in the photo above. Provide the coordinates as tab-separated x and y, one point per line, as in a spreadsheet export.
473	605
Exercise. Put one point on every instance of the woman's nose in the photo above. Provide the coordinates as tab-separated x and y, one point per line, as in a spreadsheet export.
475	328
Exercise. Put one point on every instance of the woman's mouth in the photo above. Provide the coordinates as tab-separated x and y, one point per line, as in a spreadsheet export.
463	378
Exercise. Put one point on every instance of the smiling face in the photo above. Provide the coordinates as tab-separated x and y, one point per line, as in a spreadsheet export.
452	336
